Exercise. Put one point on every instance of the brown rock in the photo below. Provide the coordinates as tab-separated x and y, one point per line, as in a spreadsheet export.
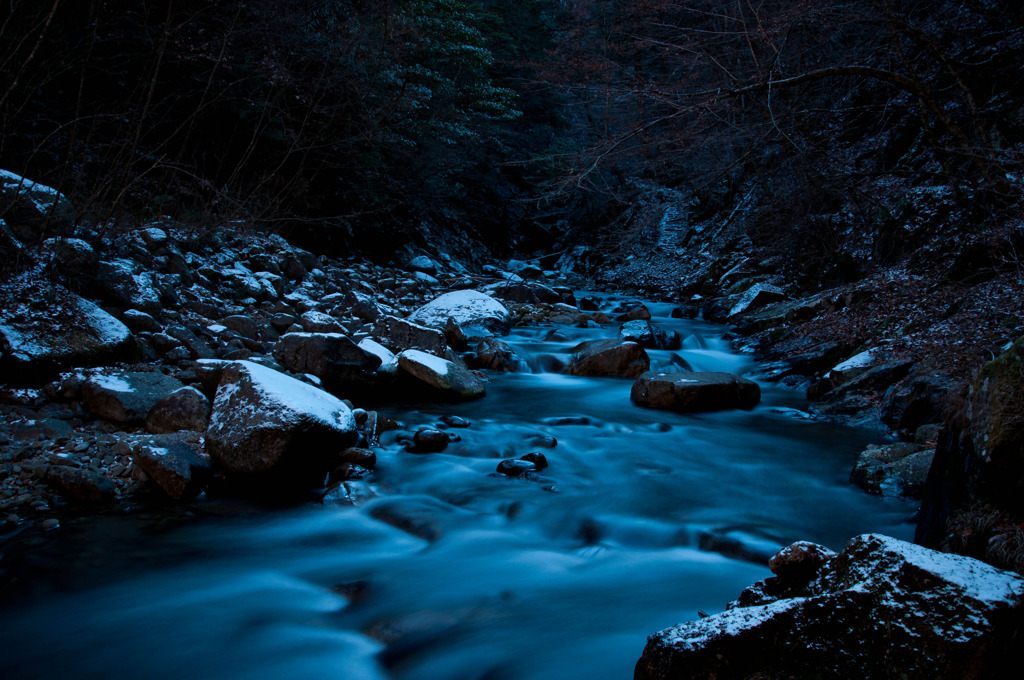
695	392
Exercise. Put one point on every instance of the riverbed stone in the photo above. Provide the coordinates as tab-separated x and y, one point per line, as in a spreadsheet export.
77	484
896	469
441	375
265	422
31	208
175	466
882	608
468	308
695	392
401	334
126	396
341	364
650	336
183	409
613	358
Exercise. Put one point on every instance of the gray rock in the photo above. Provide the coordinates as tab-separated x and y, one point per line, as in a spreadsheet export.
121	283
898	469
318	322
695	392
882	608
424	264
72	256
126	396
441	375
758	295
401	334
613	358
175	466
183	409
340	364
33	208
197	347
468	308
51	329
266	423
649	336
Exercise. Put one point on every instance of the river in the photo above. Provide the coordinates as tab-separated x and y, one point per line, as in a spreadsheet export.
642	519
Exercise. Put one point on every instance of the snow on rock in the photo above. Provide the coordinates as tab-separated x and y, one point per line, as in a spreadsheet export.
388	360
120	283
174	465
440	375
264	421
401	334
31	206
694	392
126	396
757	295
468	308
862	360
45	328
335	359
882	608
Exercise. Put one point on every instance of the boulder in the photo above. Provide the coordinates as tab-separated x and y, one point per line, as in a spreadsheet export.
29	208
388	361
77	484
401	334
183	409
758	295
265	423
440	375
695	392
613	358
468	308
174	466
497	355
318	322
126	396
73	257
422	263
48	328
649	336
882	608
897	469
522	291
123	284
341	364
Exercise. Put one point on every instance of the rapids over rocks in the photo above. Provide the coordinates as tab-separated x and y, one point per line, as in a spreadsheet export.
447	569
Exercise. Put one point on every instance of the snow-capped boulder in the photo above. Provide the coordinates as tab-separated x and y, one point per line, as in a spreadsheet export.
442	376
694	392
388	361
264	421
45	328
30	207
341	364
757	295
613	358
882	608
468	308
126	396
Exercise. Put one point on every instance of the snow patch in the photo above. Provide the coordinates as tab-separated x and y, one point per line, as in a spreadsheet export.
865	358
114	383
436	364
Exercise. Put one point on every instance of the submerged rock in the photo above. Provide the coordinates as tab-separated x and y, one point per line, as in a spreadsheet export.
882	608
264	421
695	392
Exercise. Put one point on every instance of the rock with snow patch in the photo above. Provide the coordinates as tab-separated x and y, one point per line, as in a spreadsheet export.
694	391
758	295
612	358
401	334
140	322
46	328
183	409
522	291
126	396
73	257
363	306
650	336
468	308
30	208
341	364
175	466
882	608
388	361
440	375
318	322
267	425
422	263
122	283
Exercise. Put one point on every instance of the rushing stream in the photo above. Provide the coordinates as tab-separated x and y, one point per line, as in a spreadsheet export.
644	517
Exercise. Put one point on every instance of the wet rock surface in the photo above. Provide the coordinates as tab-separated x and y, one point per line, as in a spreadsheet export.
695	391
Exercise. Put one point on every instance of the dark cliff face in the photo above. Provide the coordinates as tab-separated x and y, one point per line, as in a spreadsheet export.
974	501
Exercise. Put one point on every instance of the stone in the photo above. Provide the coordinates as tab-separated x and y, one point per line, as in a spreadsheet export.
882	608
613	358
440	375
649	336
318	322
265	423
422	263
45	329
359	456
76	484
758	295
468	308
140	322
517	468
341	364
497	355
243	325
539	460
637	313
898	469
73	257
123	284
183	409
430	441
197	347
362	306
402	334
455	421
175	467
32	208
126	396
522	291
695	392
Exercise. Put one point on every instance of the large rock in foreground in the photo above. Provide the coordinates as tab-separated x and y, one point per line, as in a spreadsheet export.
613	358
441	376
468	308
882	608
46	328
266	422
695	392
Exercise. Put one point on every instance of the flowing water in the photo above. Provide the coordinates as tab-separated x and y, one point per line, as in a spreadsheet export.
642	519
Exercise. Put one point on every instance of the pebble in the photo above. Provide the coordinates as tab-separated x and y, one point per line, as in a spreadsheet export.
50	524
